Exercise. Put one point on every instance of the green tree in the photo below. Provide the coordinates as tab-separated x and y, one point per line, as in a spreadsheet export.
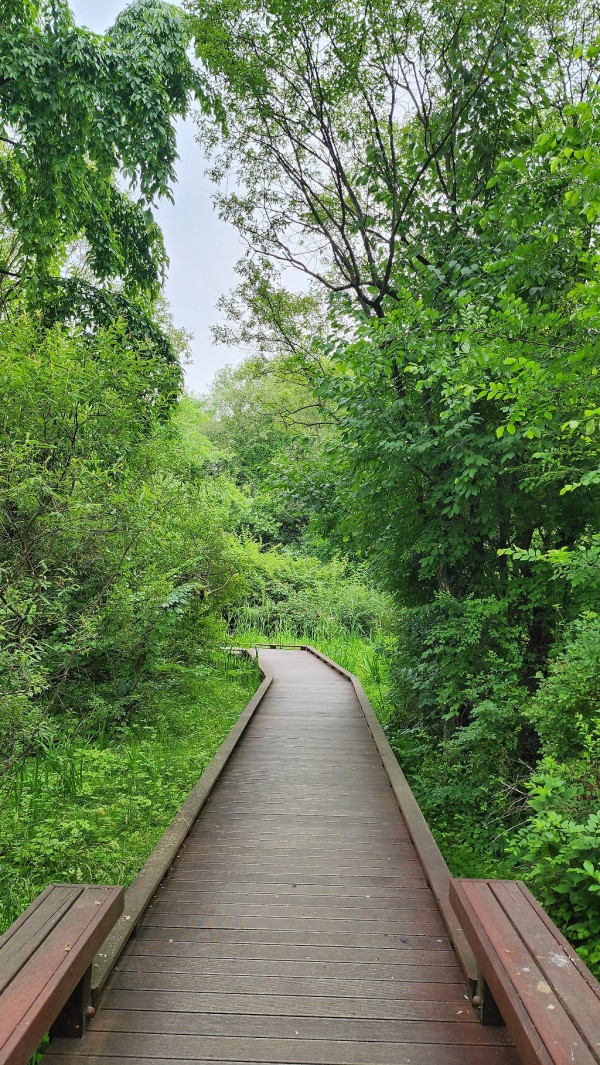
115	553
362	135
81	115
383	163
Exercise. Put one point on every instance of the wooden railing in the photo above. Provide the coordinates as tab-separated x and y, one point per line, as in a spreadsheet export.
529	976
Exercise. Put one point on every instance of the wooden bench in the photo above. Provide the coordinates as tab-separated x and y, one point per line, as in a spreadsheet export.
529	976
46	964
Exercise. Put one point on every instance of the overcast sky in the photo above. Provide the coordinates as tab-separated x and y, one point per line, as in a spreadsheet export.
202	249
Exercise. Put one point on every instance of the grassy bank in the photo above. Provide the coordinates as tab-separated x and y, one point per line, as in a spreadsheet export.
367	658
91	809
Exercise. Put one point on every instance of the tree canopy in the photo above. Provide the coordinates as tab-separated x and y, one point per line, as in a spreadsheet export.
88	144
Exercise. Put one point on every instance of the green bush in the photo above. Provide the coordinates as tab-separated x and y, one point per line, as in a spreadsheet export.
304	595
115	549
558	847
457	677
568	700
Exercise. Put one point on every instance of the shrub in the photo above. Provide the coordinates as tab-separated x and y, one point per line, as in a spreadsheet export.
457	676
568	699
558	847
302	595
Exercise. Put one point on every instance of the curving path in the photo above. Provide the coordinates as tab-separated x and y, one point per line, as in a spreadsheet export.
297	925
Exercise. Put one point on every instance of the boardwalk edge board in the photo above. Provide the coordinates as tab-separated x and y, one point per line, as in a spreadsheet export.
142	890
436	870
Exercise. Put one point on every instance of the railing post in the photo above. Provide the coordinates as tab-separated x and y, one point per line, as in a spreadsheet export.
485	1003
77	1010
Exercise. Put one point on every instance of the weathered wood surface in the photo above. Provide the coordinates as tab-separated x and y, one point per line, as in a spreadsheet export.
438	874
296	926
45	964
548	998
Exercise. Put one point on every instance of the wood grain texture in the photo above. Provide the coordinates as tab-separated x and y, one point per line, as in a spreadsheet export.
407	1054
341	1028
431	950
297	926
417	967
381	1009
549	1000
121	1046
48	951
27	934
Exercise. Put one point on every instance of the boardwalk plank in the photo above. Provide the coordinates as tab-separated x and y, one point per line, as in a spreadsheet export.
227	892
144	1047
164	1022
305	935
415	968
439	990
431	951
273	906
293	1005
407	1054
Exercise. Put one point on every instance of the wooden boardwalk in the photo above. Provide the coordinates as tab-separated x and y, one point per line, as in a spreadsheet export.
297	925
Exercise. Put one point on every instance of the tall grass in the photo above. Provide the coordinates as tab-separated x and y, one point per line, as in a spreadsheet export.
366	656
91	806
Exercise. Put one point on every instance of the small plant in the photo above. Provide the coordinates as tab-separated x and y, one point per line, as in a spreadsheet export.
558	848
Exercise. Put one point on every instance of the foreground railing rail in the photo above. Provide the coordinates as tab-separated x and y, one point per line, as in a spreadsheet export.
529	976
46	966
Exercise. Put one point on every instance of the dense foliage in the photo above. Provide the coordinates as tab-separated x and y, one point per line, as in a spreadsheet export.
78	110
434	171
137	532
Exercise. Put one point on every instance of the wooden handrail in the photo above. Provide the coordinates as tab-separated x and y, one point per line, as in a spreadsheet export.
45	965
530	977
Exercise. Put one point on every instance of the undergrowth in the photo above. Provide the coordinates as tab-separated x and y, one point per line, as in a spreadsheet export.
90	809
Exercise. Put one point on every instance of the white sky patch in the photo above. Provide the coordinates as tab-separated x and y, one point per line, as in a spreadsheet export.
202	249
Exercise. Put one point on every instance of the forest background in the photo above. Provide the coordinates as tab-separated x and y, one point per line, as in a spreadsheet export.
405	469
